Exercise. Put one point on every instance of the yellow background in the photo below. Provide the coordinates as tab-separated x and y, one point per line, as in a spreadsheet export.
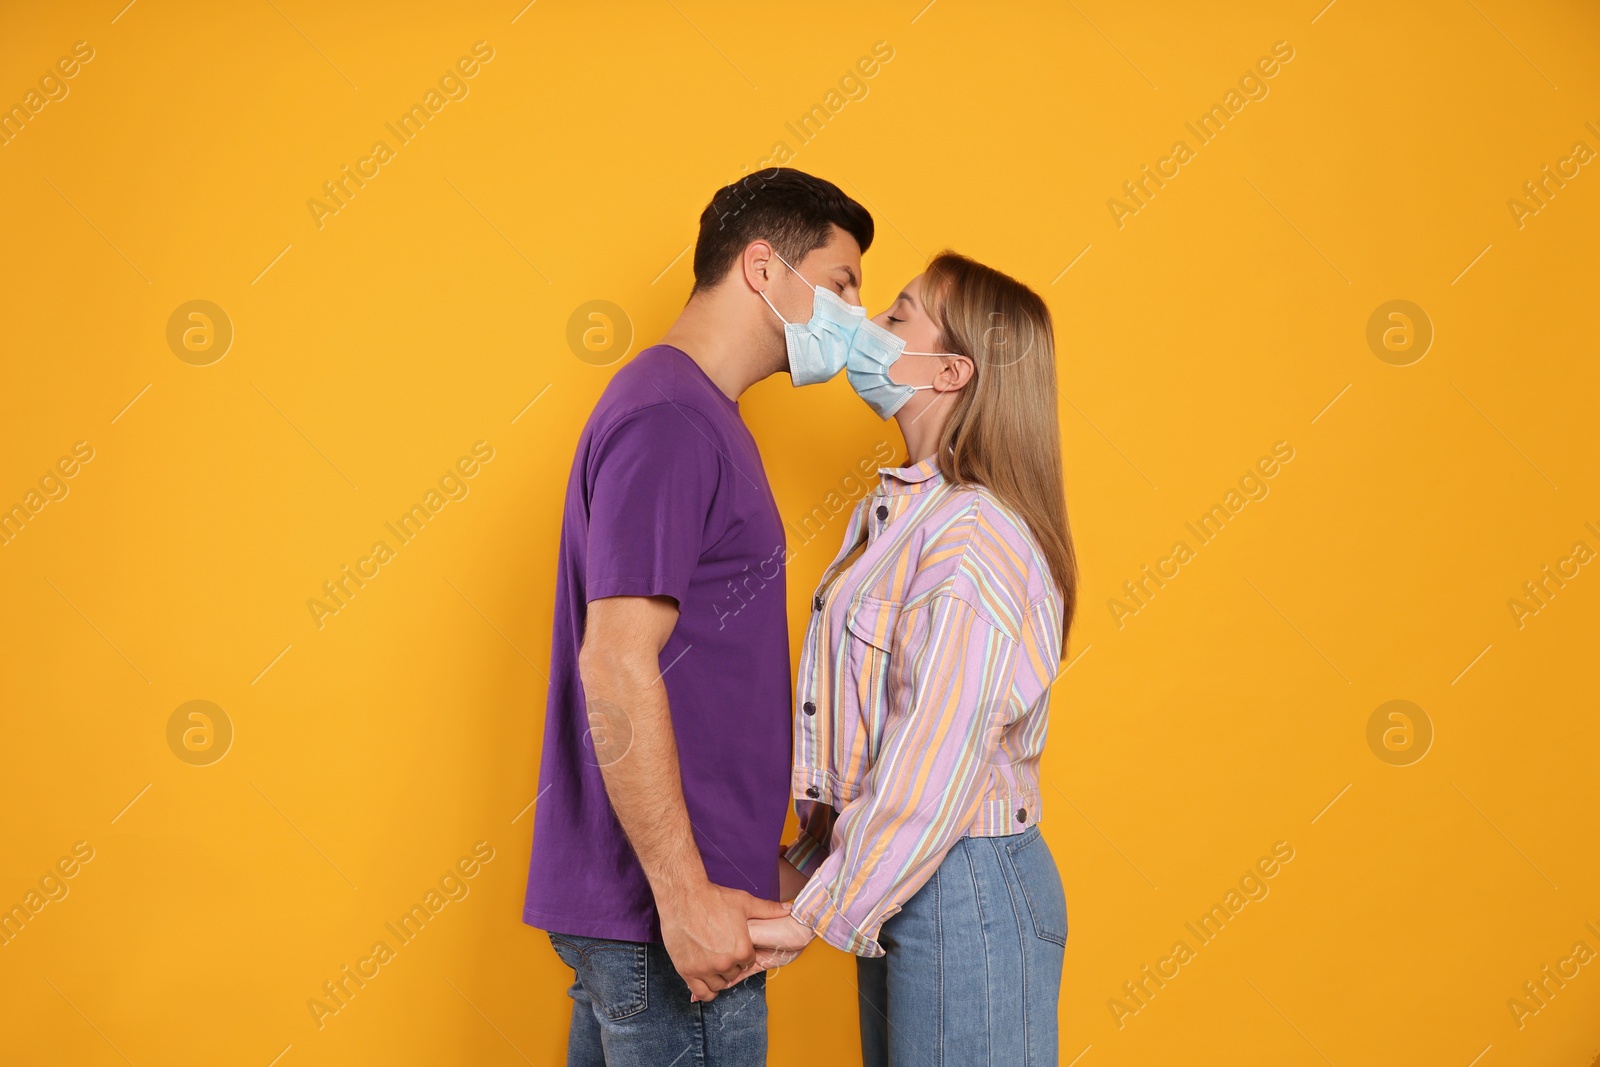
1228	714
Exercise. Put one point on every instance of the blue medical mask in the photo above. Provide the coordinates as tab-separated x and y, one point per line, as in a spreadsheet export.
873	351
818	349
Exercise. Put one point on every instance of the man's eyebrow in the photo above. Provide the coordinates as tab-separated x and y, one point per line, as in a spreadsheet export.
849	272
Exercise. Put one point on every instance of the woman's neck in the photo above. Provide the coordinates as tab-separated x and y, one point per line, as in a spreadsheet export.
923	429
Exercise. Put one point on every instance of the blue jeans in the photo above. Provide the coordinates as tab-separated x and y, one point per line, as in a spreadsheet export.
630	1009
972	967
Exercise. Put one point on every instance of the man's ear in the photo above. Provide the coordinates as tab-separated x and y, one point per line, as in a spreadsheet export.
758	263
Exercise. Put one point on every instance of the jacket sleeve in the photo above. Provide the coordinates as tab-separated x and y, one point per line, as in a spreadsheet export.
810	848
950	683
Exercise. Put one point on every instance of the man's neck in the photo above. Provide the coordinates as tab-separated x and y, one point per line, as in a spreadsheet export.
722	342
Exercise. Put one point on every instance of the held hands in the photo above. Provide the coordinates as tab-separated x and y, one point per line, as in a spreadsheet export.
707	934
777	942
717	937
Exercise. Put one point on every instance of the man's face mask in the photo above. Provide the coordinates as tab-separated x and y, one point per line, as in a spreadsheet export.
818	349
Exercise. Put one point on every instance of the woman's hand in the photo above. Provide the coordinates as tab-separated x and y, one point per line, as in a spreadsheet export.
777	942
785	936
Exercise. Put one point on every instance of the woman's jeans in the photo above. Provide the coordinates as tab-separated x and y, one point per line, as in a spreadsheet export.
972	970
631	1009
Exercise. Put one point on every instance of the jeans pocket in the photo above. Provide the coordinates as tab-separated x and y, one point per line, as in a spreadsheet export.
615	974
1036	872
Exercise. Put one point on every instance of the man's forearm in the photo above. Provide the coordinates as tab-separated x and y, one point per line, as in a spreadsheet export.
631	724
704	926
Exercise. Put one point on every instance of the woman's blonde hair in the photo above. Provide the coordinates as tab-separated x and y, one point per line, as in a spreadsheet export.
1003	432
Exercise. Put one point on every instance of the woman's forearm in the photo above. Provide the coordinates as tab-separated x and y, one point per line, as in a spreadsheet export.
790	880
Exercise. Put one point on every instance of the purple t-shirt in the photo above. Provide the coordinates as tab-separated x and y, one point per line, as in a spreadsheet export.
668	497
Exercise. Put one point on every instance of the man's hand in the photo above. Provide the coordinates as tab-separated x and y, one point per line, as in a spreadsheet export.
777	942
707	934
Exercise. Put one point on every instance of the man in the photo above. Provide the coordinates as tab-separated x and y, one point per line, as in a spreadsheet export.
665	777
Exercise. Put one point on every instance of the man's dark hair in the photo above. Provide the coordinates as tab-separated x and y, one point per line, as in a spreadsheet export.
789	208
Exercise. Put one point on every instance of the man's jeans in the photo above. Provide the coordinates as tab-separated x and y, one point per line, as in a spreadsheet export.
972	971
630	1009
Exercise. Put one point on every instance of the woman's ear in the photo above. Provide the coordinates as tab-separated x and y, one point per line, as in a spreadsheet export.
957	372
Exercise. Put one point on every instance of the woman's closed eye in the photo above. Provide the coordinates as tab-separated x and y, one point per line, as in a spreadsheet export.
893	319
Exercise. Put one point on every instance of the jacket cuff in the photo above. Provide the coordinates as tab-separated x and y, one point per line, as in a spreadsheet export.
816	909
806	854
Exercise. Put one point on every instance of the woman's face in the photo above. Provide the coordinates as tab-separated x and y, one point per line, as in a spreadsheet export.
909	320
908	317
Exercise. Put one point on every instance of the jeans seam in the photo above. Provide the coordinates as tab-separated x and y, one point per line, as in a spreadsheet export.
643	970
700	1034
988	976
938	936
1013	888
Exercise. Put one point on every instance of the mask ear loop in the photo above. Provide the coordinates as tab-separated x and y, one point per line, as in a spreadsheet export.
775	311
919	387
796	273
786	263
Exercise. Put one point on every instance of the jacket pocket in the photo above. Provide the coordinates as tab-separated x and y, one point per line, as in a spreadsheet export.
871	624
873	621
1036	873
615	974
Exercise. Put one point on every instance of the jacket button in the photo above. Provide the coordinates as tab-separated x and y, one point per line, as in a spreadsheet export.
816	602
883	512
813	792
809	708
1022	814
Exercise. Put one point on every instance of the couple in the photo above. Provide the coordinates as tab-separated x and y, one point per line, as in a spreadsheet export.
911	743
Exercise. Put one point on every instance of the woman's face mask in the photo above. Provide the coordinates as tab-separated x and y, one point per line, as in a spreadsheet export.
876	347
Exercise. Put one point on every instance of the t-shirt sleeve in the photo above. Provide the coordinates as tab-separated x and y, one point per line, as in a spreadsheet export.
652	480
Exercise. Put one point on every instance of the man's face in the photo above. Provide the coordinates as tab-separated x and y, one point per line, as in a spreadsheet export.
836	265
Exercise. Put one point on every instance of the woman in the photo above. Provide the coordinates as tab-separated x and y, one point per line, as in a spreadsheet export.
923	691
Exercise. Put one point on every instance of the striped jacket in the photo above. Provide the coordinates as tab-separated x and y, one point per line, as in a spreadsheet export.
922	699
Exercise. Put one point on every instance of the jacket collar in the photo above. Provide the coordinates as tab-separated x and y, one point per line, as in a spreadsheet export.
917	478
